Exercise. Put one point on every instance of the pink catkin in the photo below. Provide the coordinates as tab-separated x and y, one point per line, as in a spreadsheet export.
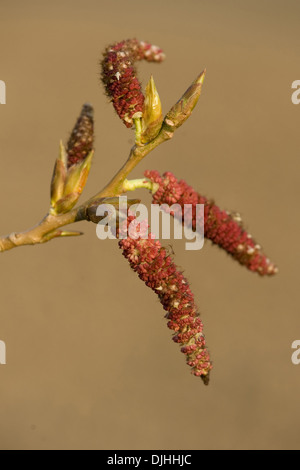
221	227
156	268
119	75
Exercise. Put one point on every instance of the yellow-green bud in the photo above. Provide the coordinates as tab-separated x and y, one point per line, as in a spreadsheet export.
152	114
59	177
77	176
182	110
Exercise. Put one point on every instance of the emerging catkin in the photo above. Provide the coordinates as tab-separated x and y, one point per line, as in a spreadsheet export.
81	140
222	228
158	271
118	75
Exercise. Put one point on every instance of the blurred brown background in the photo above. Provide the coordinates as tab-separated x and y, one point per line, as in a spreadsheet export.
90	361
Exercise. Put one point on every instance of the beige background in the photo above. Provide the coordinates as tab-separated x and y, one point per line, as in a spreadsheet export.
90	360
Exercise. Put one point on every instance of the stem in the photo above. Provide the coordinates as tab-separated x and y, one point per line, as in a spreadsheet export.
132	185
47	229
115	186
40	233
138	131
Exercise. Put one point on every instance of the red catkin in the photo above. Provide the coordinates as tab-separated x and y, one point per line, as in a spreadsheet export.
156	268
222	228
119	75
81	139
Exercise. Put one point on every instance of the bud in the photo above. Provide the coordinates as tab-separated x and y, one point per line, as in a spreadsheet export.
81	141
152	116
59	176
182	110
57	233
73	165
77	176
65	204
